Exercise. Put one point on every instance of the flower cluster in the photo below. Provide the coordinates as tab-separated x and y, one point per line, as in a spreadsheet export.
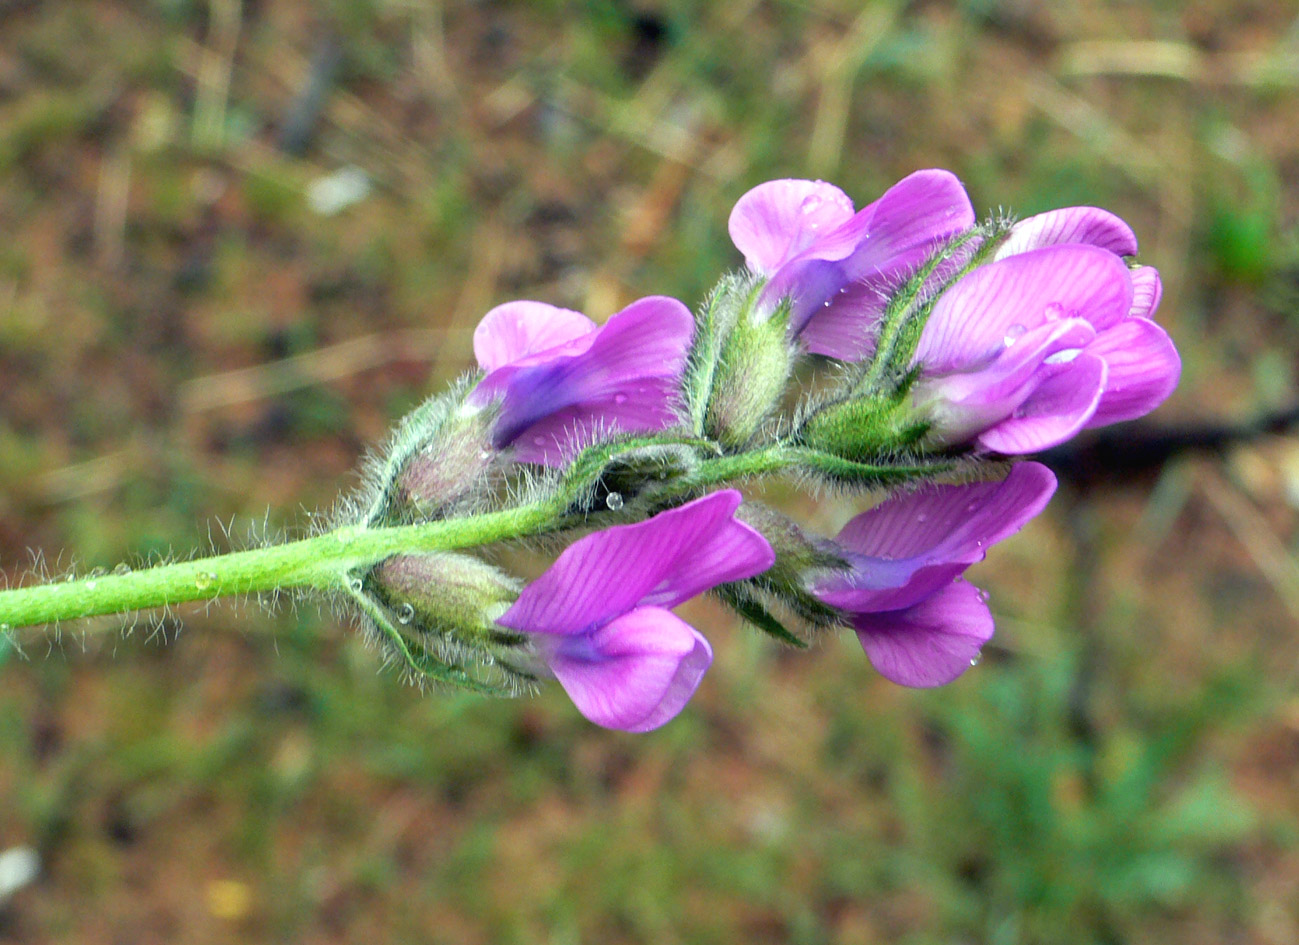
959	344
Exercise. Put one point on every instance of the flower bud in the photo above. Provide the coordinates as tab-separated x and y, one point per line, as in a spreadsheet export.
448	465
752	370
451	594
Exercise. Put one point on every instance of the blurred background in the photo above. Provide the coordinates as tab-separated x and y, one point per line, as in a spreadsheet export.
239	238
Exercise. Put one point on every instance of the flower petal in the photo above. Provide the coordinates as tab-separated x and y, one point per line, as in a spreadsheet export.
518	330
909	546
624	378
1143	370
1090	225
909	221
963	405
1147	289
663	560
971	320
1056	410
636	672
846	326
931	643
776	221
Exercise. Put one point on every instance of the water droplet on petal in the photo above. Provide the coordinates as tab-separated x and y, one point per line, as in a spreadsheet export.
619	398
1062	357
539	440
614	501
975	660
406	614
810	203
1013	334
923	516
1054	312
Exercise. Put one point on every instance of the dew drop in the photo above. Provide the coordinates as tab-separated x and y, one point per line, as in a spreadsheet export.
204	580
975	660
406	614
1054	312
614	501
356	585
97	572
810	203
539	440
122	569
619	398
70	578
923	516
1013	334
5	628
1062	357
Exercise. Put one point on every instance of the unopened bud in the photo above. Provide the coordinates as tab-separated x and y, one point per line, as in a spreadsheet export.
437	459
452	594
753	368
455	458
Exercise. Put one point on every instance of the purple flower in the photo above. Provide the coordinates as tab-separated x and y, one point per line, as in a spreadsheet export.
1053	336
837	265
560	378
600	612
920	623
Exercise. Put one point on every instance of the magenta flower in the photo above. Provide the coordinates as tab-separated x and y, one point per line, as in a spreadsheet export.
837	265
1053	336
600	613
560	378
920	623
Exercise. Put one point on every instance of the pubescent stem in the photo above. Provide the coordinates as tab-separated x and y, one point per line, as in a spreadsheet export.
327	562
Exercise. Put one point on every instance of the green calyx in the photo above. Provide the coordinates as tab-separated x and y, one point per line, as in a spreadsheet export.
752	369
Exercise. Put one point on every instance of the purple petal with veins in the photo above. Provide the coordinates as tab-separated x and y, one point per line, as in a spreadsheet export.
599	612
623	376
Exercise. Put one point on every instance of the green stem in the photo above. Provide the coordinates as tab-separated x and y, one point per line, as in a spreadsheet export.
324	562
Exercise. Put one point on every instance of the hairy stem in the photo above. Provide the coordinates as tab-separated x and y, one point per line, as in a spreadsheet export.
324	562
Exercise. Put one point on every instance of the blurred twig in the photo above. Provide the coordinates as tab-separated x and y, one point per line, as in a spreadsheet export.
1174	60
1128	453
304	370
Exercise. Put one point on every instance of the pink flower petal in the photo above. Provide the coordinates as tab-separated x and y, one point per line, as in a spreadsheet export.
517	330
846	328
636	672
621	377
972	319
1143	370
1057	409
910	545
931	643
1147	289
663	560
1090	225
908	221
777	221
